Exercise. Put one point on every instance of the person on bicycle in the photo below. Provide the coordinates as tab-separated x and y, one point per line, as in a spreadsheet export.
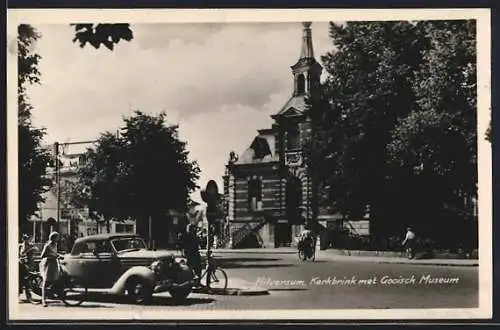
191	245
26	252
409	241
49	267
306	239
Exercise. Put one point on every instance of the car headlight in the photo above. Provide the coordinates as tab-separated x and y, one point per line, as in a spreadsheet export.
156	266
181	261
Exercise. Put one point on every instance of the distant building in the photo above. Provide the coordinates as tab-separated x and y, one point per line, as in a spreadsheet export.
267	188
76	221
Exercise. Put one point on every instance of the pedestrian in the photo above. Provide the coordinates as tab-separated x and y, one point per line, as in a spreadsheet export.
409	241
71	241
26	257
191	245
49	267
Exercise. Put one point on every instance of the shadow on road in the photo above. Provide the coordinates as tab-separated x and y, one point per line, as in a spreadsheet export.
313	262
287	289
245	259
156	300
234	265
53	303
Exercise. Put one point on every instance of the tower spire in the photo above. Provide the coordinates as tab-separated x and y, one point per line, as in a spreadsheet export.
307	46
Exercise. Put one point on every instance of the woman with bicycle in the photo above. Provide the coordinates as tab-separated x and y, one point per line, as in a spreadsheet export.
49	267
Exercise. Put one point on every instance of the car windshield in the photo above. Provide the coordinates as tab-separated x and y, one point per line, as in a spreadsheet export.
128	243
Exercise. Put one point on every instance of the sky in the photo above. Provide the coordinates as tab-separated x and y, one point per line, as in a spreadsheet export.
219	82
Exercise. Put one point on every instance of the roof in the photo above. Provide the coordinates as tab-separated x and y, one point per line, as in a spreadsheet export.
261	150
304	61
295	104
102	237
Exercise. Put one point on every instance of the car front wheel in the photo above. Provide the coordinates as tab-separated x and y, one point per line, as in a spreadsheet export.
139	290
179	294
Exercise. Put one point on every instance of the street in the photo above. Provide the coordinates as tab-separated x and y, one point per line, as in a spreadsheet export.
323	284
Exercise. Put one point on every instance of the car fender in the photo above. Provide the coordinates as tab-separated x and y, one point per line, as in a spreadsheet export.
137	271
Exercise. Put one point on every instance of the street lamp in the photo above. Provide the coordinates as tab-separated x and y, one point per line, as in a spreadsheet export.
58	182
210	195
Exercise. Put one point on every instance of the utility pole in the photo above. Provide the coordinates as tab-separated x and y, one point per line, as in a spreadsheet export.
58	183
210	195
58	174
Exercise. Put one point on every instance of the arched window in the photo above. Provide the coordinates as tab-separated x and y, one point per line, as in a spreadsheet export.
301	84
254	194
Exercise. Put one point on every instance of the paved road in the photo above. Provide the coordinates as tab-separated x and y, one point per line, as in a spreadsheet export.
323	284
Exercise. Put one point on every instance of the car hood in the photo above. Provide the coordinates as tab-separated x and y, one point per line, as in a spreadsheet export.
150	254
144	257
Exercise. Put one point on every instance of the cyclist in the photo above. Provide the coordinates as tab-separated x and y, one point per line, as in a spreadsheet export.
306	242
191	246
409	241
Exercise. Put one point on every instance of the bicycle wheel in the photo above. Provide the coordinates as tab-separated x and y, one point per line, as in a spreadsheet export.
34	289
218	279
74	292
301	255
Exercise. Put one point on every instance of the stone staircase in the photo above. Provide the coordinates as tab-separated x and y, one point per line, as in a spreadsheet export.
243	232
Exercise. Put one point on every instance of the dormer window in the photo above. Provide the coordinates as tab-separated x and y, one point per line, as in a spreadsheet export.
82	160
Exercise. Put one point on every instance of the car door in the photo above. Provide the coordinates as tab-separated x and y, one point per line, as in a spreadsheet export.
84	264
108	264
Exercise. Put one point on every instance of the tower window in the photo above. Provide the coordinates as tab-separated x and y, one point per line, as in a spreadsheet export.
301	84
292	141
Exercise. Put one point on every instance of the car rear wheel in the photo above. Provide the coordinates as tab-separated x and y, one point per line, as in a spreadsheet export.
139	290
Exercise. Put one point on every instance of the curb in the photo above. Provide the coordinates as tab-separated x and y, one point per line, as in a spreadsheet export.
446	264
252	251
236	292
386	260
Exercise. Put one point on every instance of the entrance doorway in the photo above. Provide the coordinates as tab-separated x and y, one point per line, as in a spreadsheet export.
293	200
282	234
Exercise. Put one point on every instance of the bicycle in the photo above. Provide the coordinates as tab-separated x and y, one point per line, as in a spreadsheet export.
71	290
302	253
213	276
33	287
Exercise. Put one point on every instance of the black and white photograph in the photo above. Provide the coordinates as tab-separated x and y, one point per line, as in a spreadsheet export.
249	164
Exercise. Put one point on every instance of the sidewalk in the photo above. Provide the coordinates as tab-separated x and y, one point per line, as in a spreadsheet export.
333	255
385	257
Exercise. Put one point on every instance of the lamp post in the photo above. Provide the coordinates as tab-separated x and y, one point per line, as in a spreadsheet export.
58	175
210	195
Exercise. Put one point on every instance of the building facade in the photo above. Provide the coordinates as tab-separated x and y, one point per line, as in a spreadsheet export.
73	221
267	188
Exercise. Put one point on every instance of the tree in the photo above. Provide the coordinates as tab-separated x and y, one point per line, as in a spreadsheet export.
142	172
368	88
396	117
33	158
102	34
437	142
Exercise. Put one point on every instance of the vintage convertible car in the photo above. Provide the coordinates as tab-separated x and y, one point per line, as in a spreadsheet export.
123	265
